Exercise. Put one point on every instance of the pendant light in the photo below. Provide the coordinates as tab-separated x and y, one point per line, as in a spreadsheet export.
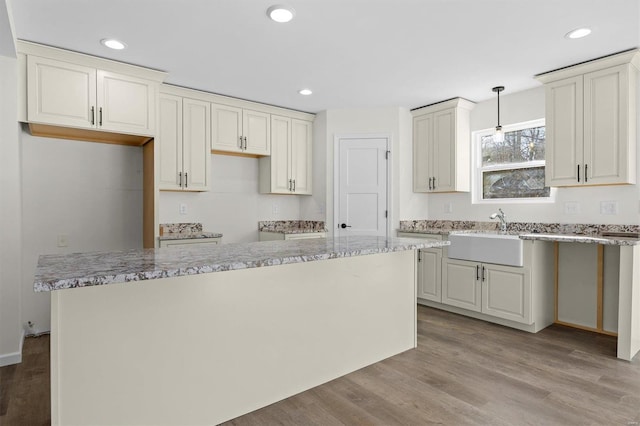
499	134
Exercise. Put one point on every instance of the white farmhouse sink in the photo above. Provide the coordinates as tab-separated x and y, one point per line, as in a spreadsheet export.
501	249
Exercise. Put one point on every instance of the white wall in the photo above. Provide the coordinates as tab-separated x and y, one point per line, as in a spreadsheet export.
520	107
89	192
10	216
233	206
395	122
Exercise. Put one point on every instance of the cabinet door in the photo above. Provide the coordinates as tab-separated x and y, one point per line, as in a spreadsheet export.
443	163
60	93
196	142
461	284
301	155
280	156
169	139
125	104
564	132
506	292
422	135
256	128
606	130
226	128
429	274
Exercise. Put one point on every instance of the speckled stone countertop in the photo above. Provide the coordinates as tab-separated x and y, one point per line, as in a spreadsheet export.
184	231
57	272
570	233
291	226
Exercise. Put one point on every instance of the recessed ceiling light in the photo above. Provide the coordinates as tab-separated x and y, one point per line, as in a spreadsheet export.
578	33
305	92
112	43
280	13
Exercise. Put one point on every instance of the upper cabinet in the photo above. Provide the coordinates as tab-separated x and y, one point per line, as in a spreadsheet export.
591	122
70	90
441	147
184	140
240	131
288	169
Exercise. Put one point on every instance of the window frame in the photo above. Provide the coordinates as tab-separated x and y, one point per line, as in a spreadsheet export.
477	168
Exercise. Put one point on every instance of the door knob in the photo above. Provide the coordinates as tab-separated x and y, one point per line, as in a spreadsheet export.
344	225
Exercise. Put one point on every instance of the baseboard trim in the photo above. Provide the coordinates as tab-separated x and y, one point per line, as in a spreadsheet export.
15	357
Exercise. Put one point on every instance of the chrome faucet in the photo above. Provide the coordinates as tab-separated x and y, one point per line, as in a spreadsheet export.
503	221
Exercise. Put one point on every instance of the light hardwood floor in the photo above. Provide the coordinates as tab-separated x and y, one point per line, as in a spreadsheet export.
464	371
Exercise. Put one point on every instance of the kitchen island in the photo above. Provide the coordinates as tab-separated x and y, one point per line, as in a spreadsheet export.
201	335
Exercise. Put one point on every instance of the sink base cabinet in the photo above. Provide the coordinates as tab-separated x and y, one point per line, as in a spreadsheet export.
517	297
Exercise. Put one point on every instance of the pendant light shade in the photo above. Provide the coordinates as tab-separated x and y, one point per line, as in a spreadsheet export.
498	136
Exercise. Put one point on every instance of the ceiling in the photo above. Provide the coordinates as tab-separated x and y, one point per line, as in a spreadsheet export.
351	53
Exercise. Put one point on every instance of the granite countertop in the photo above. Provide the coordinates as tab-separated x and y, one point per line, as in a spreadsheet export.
291	226
580	238
57	272
189	235
570	233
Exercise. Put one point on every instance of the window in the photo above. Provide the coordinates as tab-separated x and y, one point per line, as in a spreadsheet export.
512	170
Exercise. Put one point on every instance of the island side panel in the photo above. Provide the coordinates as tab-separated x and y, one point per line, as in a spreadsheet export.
203	349
629	303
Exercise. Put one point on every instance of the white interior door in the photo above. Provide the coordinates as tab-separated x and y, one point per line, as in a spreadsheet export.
361	186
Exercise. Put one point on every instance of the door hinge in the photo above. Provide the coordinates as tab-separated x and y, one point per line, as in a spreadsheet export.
386	155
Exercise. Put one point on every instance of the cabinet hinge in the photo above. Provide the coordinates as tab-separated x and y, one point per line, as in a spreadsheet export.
386	155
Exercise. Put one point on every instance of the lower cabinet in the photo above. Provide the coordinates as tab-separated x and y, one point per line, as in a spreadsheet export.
189	242
429	271
500	291
429	268
274	236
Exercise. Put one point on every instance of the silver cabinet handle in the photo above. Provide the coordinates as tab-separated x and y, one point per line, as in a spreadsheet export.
180	179
100	115
430	184
434	183
477	272
483	274
240	141
294	185
419	255
186	179
245	143
93	116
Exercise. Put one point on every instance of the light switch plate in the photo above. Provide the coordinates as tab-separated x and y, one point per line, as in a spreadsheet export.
183	208
448	207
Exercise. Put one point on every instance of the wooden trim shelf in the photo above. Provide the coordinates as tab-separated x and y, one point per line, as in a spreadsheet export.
85	135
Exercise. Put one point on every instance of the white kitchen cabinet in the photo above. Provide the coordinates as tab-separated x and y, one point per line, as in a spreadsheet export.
288	169
240	131
65	94
429	274
184	144
441	147
496	290
275	236
190	242
429	268
591	122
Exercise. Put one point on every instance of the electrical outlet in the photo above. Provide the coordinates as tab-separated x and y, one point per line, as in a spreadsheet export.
571	207
183	208
274	208
448	207
63	240
608	207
